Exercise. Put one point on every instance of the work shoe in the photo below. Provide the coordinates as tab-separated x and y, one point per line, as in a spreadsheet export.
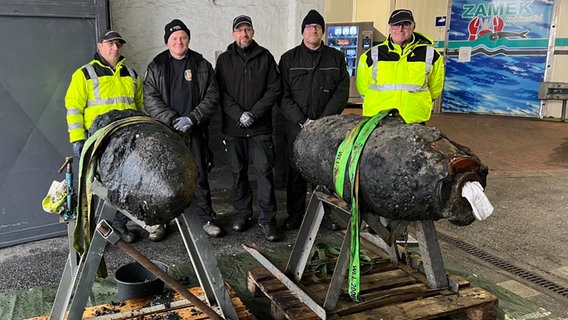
157	233
269	232
124	233
292	223
242	224
212	230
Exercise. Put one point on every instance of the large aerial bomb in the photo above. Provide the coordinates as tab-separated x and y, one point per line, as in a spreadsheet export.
146	167
406	171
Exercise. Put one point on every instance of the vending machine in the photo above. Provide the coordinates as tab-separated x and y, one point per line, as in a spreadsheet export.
352	38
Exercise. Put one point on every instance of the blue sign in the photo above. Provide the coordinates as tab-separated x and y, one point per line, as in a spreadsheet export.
441	21
509	42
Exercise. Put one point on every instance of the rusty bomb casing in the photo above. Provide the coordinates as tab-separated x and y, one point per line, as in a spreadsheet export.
147	169
406	171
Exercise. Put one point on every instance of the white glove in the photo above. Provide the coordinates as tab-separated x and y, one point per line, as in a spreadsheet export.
247	119
183	124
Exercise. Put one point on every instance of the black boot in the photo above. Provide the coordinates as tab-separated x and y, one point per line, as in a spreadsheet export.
119	226
292	222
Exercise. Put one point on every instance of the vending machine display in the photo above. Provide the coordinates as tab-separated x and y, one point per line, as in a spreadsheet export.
352	39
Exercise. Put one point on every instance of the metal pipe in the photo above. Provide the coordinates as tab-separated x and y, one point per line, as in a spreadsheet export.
105	230
563	119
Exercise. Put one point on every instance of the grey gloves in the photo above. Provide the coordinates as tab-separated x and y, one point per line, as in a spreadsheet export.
183	124
78	147
247	119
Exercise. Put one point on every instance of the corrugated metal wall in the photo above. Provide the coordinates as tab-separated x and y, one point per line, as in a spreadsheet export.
43	43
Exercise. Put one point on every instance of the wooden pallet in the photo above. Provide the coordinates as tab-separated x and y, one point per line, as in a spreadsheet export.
140	309
387	292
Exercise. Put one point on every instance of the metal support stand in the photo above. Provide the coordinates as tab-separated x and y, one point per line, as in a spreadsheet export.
432	263
554	91
76	282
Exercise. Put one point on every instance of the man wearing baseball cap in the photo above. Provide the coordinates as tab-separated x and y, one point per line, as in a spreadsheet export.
181	91
102	85
404	72
249	84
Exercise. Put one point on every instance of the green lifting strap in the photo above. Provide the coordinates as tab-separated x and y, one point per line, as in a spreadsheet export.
88	163
323	258
347	160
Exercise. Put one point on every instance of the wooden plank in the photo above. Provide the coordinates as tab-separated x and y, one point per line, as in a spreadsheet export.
381	298
391	294
368	283
388	291
139	307
292	307
477	303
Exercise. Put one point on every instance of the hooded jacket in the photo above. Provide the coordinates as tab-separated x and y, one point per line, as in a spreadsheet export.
248	81
315	83
407	79
156	89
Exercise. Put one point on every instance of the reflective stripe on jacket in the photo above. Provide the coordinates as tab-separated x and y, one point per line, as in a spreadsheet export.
96	89
408	79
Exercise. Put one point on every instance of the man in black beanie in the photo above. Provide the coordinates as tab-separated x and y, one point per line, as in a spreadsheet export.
181	91
315	84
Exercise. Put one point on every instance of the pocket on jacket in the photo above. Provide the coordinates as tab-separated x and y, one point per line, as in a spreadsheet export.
298	79
331	79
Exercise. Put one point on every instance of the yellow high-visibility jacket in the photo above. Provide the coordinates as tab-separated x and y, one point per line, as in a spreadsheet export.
96	89
409	79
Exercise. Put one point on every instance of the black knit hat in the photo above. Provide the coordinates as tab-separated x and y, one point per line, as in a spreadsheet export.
174	26
313	17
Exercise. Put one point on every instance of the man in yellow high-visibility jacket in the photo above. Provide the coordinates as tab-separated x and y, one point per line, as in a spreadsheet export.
404	72
102	85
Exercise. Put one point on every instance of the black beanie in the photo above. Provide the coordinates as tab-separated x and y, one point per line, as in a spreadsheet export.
313	17
174	26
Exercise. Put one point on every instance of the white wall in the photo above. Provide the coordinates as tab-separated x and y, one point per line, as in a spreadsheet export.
141	23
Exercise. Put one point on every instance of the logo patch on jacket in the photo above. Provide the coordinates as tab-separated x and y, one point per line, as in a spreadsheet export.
187	74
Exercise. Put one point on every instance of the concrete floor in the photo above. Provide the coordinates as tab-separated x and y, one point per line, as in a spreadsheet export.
527	185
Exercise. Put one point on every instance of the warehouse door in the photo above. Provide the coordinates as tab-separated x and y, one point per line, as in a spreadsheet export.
42	42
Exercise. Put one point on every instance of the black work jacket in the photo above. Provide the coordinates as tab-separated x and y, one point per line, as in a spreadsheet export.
314	83
205	94
248	81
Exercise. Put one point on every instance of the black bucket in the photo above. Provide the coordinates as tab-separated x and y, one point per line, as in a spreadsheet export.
135	281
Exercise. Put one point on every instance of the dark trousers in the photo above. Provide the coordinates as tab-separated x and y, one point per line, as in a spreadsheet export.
296	185
260	150
202	197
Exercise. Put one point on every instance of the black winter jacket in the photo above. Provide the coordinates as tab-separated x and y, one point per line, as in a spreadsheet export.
156	90
314	83
248	81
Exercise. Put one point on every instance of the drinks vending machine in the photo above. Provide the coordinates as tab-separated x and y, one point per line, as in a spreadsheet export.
353	38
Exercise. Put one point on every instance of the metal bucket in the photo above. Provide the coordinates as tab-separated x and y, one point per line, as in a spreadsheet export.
135	281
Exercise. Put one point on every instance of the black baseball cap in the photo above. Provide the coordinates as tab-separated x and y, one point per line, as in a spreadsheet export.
400	16
240	20
110	36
